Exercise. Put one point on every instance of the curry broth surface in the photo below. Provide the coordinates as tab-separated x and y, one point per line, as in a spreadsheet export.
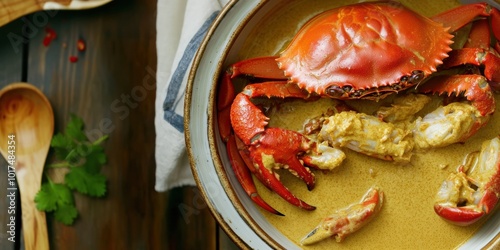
407	219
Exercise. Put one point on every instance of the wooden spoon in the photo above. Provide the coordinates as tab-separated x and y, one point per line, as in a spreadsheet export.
13	9
26	114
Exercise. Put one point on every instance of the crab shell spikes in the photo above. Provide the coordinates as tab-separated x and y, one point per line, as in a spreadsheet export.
352	51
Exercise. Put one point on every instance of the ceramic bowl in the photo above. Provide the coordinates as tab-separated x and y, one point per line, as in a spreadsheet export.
229	204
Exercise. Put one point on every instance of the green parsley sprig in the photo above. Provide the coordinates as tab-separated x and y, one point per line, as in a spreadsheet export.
84	159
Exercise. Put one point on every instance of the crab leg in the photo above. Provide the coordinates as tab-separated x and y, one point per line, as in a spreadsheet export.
225	97
478	57
347	220
259	67
472	192
495	23
477	51
458	17
479	36
263	67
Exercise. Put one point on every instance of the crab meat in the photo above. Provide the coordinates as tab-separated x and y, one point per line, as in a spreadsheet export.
403	108
368	135
446	125
397	139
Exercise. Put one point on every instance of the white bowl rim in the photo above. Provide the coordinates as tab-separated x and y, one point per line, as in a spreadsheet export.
239	231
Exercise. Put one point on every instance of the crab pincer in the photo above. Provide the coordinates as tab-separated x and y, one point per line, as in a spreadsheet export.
243	173
347	220
466	196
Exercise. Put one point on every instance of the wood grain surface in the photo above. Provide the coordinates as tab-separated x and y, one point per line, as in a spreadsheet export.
112	87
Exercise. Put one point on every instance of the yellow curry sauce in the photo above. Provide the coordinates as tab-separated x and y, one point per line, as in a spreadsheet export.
407	219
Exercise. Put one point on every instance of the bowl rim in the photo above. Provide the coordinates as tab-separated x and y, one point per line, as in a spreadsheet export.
237	239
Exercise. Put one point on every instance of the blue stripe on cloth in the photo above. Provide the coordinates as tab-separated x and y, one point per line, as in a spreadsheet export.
170	103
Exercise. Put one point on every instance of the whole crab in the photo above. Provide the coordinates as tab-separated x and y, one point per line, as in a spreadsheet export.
362	51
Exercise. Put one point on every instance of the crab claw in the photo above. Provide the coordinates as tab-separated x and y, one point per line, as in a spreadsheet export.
242	173
320	156
259	149
347	220
270	148
278	148
474	190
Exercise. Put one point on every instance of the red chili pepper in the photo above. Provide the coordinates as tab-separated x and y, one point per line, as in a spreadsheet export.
50	35
80	44
73	59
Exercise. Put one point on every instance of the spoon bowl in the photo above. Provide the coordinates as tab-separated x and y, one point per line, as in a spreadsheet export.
27	119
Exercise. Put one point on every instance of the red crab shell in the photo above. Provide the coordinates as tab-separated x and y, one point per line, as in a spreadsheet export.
374	45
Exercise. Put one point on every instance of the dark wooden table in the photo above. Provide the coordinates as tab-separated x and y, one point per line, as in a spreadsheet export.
120	55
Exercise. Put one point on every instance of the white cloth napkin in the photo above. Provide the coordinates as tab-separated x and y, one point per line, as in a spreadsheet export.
181	26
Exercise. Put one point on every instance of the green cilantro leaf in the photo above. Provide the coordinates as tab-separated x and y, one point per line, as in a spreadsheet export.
66	213
90	184
51	195
84	159
62	145
95	159
74	129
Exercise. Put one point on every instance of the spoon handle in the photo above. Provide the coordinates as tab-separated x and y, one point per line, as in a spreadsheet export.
34	221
